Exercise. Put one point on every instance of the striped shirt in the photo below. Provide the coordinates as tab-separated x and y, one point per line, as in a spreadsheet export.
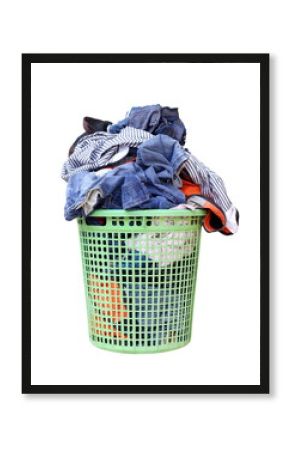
100	149
212	188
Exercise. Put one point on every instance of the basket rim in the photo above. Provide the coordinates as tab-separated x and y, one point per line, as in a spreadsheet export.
147	212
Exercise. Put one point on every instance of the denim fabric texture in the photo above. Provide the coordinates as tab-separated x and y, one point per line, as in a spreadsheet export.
171	125
155	119
145	117
147	167
117	127
78	187
152	182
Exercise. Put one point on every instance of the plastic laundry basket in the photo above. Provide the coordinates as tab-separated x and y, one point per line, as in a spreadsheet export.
139	274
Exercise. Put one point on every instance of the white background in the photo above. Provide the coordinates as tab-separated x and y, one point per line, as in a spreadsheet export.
219	103
203	421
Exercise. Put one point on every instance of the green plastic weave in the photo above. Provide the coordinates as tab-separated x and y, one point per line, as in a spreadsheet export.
139	275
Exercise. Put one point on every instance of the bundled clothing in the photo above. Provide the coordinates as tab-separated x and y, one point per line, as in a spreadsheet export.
151	182
213	196
149	300
140	274
140	163
100	149
225	220
90	125
155	119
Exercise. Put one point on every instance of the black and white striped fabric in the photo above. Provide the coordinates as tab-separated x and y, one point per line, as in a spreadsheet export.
100	149
212	187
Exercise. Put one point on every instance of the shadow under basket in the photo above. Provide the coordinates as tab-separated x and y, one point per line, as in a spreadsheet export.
140	272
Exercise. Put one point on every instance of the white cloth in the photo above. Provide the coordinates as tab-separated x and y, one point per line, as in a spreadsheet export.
165	248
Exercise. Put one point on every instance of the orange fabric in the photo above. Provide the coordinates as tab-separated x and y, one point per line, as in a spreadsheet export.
116	309
105	329
213	209
189	188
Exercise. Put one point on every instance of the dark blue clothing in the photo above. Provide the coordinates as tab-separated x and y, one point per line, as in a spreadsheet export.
171	125
154	119
151	182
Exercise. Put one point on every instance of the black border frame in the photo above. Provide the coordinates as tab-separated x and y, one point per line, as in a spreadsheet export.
260	58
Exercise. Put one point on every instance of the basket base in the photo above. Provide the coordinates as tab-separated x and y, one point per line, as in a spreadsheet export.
140	350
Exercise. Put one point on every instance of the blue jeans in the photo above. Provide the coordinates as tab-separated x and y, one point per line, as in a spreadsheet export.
149	183
154	119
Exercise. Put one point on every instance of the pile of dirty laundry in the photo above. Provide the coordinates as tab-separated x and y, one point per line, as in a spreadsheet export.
140	162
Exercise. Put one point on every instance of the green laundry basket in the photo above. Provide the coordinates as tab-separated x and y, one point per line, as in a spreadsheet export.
139	274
